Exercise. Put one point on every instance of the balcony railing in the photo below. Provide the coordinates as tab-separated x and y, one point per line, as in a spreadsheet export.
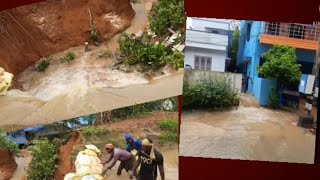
292	30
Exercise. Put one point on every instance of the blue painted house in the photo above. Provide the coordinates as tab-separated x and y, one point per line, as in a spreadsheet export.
257	37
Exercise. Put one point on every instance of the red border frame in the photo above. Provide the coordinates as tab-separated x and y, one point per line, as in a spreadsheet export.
271	10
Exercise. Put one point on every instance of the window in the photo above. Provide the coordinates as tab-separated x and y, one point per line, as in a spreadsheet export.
202	63
248	31
296	31
273	28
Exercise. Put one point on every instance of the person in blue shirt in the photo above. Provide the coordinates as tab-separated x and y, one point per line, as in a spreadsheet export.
133	143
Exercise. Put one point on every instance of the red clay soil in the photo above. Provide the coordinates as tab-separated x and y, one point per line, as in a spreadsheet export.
143	123
66	165
33	31
7	165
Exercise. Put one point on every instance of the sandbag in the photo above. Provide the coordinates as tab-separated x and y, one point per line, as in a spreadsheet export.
72	176
8	77
88	177
84	170
90	152
93	148
83	160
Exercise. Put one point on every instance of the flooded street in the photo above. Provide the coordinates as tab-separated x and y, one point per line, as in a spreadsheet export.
84	86
247	133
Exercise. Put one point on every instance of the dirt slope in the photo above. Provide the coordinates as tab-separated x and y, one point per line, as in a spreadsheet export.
30	32
7	165
66	165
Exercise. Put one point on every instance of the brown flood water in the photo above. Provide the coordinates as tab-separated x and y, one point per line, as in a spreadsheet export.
86	85
247	133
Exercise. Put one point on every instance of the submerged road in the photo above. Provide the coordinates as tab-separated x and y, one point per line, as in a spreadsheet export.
19	112
246	133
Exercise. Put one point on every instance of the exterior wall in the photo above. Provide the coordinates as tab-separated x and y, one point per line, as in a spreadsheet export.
201	24
218	57
252	49
264	89
235	79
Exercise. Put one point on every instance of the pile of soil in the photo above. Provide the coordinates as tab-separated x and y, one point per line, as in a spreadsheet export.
66	165
7	164
33	31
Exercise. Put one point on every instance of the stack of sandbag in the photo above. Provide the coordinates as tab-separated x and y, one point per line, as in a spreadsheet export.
88	165
5	81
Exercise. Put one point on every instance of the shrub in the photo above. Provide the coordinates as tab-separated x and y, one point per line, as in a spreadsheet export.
281	65
148	55
90	130
273	100
45	156
207	93
105	54
167	14
93	32
9	145
169	125
43	66
70	56
170	130
176	59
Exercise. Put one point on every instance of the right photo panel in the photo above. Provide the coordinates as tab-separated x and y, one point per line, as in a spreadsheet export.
250	90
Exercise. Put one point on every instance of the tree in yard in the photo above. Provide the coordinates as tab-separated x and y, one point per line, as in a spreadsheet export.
234	50
281	65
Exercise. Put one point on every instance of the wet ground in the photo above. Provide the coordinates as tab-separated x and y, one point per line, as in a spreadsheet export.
86	85
249	132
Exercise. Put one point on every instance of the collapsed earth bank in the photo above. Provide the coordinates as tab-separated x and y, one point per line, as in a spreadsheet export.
30	32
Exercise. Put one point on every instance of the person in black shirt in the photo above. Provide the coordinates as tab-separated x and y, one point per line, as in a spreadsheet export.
149	159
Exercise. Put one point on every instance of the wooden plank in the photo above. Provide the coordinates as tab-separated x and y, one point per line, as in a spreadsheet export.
293	42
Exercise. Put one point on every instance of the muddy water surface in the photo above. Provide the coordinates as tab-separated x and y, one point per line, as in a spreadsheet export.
249	133
84	86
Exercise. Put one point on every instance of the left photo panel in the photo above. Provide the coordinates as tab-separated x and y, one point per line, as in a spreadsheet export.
65	59
133	142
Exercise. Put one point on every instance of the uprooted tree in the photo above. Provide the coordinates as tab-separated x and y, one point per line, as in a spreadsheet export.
281	65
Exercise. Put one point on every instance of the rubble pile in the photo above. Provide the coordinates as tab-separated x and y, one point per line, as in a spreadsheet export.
88	165
5	81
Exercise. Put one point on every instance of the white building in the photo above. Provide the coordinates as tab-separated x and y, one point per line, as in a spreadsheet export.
207	43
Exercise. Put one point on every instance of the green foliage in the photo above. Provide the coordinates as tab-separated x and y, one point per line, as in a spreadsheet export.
45	158
233	51
70	56
148	55
177	59
91	130
105	54
43	66
169	125
94	36
208	93
170	131
9	145
273	99
139	110
281	65
167	14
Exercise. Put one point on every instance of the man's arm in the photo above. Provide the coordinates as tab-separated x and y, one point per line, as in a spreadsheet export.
160	165
115	159
161	169
137	165
109	159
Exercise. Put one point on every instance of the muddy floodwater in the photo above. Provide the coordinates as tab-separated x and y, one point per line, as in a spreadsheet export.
86	85
249	132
